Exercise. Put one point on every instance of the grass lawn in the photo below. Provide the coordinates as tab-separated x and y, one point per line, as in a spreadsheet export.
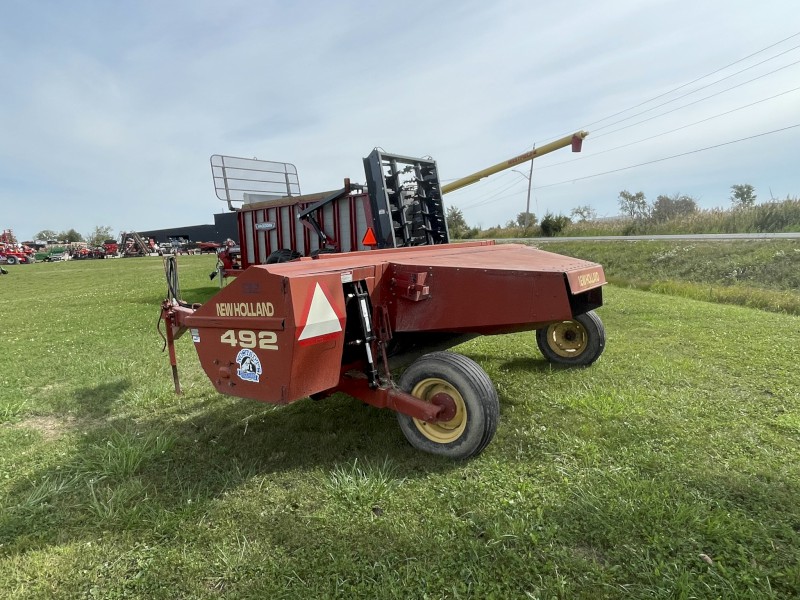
669	469
761	274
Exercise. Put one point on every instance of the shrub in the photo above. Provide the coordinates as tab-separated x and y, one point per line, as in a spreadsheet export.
552	225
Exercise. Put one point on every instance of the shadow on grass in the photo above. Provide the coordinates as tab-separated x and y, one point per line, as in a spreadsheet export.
161	473
534	363
97	401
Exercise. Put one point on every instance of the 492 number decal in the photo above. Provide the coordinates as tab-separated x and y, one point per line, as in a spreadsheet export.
265	340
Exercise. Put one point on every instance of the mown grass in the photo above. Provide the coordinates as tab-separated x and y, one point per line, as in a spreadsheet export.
669	469
762	274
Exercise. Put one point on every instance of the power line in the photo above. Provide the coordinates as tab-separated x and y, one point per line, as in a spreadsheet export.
485	199
693	102
650	162
707	86
689	83
678	98
482	202
563	162
494	197
691	92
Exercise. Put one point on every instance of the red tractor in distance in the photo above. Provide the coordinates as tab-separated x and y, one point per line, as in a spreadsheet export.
13	253
111	247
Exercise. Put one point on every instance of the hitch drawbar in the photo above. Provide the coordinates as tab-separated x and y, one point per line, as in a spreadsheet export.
311	328
169	316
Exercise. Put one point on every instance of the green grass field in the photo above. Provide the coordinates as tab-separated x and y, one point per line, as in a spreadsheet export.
761	274
669	469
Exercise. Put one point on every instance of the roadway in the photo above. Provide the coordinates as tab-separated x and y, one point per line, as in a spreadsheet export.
704	237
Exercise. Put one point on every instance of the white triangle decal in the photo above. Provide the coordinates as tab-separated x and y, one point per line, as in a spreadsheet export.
321	319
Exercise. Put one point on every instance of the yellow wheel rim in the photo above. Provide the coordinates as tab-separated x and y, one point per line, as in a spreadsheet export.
567	338
441	432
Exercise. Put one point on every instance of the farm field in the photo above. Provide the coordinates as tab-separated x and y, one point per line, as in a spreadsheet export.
669	469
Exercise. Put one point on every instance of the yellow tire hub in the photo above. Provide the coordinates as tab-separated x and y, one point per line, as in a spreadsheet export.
441	432
568	339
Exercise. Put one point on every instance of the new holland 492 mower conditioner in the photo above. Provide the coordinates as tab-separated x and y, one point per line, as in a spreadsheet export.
312	312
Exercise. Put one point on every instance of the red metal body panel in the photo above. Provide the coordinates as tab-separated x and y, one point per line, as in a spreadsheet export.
317	359
488	290
474	287
269	226
279	332
271	308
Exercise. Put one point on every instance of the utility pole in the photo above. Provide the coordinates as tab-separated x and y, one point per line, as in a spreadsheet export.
529	177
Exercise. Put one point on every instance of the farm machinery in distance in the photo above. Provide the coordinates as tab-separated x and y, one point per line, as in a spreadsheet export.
334	291
12	253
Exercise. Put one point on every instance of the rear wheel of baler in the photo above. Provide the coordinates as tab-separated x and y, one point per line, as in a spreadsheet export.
283	255
469	399
576	343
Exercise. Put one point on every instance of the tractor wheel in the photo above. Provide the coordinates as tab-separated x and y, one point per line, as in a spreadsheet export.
282	255
576	343
12	260
451	378
316	253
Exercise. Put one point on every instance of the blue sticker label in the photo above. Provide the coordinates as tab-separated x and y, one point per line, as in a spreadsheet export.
249	365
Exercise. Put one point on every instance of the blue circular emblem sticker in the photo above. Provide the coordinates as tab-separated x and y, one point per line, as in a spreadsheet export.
249	365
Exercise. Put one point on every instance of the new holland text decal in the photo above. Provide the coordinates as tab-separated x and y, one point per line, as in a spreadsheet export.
249	365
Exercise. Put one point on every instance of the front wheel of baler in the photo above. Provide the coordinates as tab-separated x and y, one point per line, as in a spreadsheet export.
461	385
576	343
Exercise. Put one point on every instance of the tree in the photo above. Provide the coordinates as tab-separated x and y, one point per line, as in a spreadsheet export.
526	219
46	234
633	205
743	196
100	234
552	225
583	213
456	223
70	236
666	208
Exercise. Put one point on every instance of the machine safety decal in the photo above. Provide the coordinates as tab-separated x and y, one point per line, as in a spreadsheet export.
249	365
195	335
322	322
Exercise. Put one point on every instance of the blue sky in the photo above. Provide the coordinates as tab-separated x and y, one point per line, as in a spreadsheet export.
110	111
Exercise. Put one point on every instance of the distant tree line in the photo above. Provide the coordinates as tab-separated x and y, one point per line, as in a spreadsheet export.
95	238
676	213
669	208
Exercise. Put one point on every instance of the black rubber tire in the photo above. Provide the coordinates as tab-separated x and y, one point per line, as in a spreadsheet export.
316	253
480	403
282	255
12	260
589	326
